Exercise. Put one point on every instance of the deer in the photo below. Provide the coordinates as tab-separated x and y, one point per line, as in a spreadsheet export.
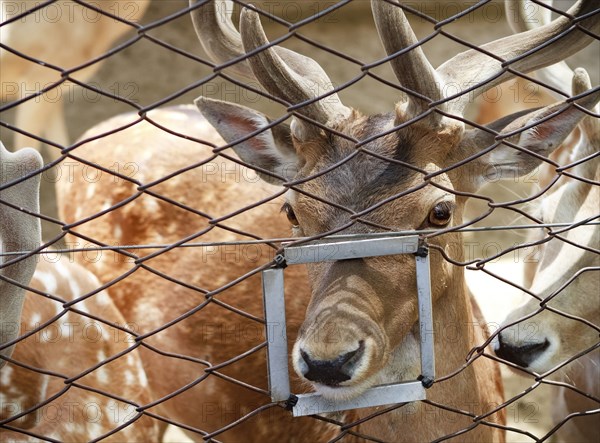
58	376
352	322
563	285
88	31
565	277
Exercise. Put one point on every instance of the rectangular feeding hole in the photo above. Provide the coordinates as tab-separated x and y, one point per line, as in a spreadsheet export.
345	248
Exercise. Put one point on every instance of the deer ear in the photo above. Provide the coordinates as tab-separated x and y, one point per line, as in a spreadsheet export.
540	131
270	149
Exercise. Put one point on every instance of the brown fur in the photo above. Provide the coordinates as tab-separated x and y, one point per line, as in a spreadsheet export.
368	299
69	346
214	334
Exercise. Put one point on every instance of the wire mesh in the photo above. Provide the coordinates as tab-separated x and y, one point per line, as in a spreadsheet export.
145	309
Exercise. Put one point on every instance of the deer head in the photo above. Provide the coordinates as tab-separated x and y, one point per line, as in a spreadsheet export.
565	277
410	169
19	231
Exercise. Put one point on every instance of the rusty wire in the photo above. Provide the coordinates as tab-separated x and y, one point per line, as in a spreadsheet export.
347	425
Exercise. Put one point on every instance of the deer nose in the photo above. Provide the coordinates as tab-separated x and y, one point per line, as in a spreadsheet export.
332	372
520	355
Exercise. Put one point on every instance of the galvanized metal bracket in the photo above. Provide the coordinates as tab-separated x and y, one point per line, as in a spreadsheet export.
344	248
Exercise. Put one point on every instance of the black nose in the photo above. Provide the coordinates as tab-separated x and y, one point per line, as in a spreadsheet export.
520	355
332	372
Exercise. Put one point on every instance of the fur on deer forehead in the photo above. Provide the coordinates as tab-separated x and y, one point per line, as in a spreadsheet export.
364	179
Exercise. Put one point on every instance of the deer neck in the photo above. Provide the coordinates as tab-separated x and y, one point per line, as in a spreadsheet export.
456	332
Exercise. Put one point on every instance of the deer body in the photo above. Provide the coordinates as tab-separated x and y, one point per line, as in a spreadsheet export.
68	347
567	277
213	334
45	343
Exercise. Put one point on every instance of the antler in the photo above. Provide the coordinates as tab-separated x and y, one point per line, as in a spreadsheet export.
19	232
290	75
474	67
558	75
589	143
412	68
218	36
298	79
282	72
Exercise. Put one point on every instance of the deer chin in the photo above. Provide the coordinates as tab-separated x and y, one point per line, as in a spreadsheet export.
343	392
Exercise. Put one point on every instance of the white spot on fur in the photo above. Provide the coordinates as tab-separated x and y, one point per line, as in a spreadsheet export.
130	360
148	311
151	205
35	319
172	228
6	375
129	378
62	269
91	190
76	291
142	379
105	205
101	356
102	298
102	375
44	386
95	429
48	280
117	232
105	334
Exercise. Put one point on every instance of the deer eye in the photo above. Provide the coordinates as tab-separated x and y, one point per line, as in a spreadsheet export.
287	208
441	213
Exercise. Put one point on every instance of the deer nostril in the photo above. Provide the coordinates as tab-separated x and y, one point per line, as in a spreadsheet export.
520	355
332	372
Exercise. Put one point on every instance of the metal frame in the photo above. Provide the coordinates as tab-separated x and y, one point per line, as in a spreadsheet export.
344	248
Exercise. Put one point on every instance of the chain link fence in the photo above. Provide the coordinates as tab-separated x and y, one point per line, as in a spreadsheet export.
144	318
